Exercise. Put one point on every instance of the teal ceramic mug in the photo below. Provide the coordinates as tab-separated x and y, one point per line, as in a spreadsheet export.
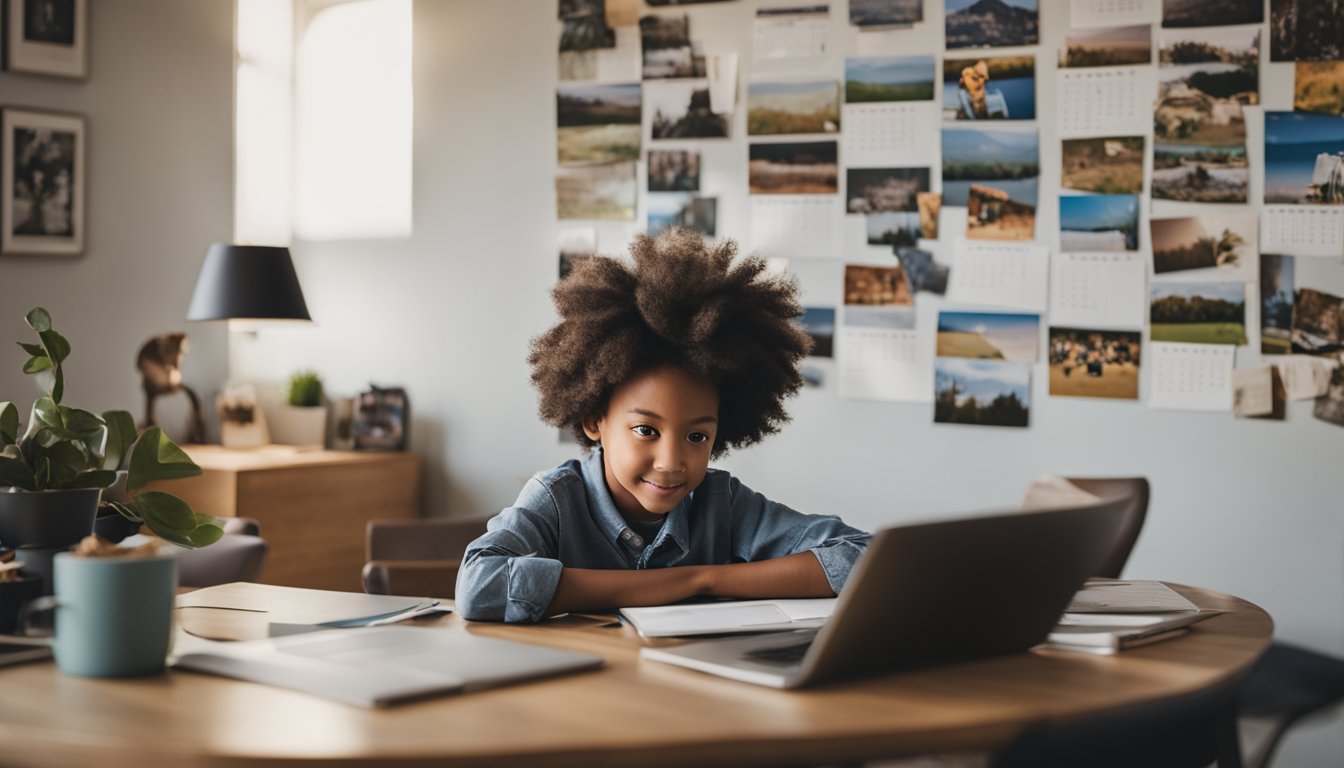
114	615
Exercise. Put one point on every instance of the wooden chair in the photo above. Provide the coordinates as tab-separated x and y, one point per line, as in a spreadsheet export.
1137	490
417	557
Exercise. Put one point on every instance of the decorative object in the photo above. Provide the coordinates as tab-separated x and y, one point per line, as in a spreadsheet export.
160	366
42	183
383	419
47	37
247	282
302	419
242	424
343	424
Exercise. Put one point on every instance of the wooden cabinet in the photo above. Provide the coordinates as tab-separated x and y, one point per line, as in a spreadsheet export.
312	505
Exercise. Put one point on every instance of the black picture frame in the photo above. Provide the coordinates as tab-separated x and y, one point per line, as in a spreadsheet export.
382	419
42	182
47	37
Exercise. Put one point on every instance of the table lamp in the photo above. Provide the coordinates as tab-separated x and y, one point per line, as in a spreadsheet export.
247	282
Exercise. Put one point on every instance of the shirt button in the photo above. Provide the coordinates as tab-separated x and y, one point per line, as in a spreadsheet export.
636	540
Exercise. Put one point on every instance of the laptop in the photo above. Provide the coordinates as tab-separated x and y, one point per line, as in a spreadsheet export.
381	666
930	594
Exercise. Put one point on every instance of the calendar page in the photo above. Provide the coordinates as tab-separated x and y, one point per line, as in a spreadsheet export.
994	274
884	364
890	133
1098	290
796	226
1112	13
1191	377
1299	230
1104	101
791	33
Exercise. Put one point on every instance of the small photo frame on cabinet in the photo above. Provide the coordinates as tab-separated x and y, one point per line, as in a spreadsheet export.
41	182
382	419
47	37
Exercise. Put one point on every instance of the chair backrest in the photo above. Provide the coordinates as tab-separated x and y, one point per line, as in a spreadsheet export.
238	556
1136	490
417	557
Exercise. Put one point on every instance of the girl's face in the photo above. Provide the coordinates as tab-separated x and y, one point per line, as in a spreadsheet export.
656	439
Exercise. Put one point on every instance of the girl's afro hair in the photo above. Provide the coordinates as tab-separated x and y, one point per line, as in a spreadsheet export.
685	305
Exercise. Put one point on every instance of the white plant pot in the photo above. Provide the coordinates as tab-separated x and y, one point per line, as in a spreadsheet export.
291	425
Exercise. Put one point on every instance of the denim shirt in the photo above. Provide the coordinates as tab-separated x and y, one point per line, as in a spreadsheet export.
565	517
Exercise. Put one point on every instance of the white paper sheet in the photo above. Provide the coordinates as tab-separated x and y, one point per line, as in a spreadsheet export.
722	72
1104	101
1103	596
1112	13
1305	377
735	616
885	364
1098	290
1302	230
792	32
890	133
1253	391
1191	377
996	274
796	226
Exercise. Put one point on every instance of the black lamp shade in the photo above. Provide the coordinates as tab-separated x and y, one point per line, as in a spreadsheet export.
247	281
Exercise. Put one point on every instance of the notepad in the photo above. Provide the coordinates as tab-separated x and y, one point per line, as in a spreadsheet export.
1100	596
727	617
1111	633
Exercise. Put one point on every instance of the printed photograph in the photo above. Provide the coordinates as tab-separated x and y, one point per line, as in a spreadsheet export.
596	192
1004	158
1098	223
42	183
1330	406
808	107
46	37
885	13
583	26
1108	47
989	335
884	190
681	111
992	214
1259	393
1276	304
1108	166
1304	158
990	88
660	3
894	78
793	168
1226	242
597	123
1090	363
930	205
1198	313
819	323
1306	30
894	229
674	170
876	286
991	23
1318	323
668	51
983	392
671	209
922	272
1209	13
1317	87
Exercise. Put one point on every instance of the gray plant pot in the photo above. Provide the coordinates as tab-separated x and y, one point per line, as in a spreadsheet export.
47	518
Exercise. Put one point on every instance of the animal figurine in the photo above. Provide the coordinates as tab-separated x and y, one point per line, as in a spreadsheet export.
160	366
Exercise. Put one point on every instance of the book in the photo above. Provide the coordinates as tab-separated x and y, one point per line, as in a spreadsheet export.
728	617
1111	633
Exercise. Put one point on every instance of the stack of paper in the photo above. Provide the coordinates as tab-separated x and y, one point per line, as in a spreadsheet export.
1110	616
726	617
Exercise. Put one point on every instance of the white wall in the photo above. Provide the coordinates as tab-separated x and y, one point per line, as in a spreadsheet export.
158	101
1241	506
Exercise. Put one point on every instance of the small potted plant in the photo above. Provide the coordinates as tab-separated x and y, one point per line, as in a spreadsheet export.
302	420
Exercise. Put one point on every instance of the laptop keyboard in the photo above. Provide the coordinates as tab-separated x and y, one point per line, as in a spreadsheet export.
783	654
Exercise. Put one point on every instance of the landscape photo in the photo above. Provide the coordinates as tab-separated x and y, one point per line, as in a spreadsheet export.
1092	363
991	23
1317	87
893	78
1004	158
1209	13
922	272
878	297
1108	47
1198	313
990	88
819	324
885	13
671	209
668	52
680	110
1304	158
1276	304
884	190
793	168
673	170
992	214
983	392
793	107
596	191
1111	165
894	229
1306	30
1223	242
1098	223
597	123
1318	323
989	335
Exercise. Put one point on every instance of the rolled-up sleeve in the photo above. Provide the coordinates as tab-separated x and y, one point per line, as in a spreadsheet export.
511	573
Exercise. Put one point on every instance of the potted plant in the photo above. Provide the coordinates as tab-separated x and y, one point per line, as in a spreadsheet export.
302	420
54	469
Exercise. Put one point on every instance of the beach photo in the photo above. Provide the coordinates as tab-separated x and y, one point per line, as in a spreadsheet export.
922	272
596	192
883	190
990	23
1003	157
898	230
893	78
885	13
1304	158
680	110
793	107
819	324
1318	323
1198	313
1098	223
674	170
1208	13
793	168
1111	165
989	335
669	209
668	52
1092	363
1108	47
597	124
1306	30
1317	87
993	214
990	88
983	392
1225	242
1276	304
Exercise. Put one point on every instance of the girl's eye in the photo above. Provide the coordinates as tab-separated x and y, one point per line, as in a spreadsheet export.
644	430
698	437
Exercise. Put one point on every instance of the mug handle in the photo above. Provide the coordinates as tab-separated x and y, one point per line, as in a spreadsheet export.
34	608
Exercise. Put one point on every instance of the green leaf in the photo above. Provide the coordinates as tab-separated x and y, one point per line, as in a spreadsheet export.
9	423
93	478
81	423
206	534
36	350
42	474
120	435
37	364
164	511
57	347
52	417
70	455
15	473
125	510
156	457
57	384
38	319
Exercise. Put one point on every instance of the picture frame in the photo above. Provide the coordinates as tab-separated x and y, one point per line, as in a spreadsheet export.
42	182
47	37
382	419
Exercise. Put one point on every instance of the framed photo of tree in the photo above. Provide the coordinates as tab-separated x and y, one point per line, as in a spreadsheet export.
41	182
47	37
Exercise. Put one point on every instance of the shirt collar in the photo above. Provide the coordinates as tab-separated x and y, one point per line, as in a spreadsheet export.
609	518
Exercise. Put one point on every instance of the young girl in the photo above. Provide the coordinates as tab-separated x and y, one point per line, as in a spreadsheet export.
658	369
